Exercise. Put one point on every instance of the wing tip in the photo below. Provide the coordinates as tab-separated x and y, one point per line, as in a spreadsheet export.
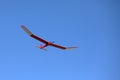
26	30
71	48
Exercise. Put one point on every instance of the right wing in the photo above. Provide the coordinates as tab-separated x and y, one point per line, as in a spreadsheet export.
58	46
32	35
62	47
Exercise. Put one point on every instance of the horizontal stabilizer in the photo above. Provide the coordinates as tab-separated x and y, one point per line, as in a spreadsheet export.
41	48
26	30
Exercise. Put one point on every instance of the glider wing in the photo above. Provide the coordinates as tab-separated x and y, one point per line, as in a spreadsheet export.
58	46
32	35
61	47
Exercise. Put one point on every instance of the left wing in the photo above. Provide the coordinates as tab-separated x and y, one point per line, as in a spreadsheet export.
32	35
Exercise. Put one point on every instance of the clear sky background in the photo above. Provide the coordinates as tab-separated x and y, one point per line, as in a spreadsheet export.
92	25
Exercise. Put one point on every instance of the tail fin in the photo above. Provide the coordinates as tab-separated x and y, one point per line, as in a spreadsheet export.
26	30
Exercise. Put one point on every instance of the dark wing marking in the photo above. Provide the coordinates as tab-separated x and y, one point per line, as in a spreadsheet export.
58	46
32	35
61	47
39	39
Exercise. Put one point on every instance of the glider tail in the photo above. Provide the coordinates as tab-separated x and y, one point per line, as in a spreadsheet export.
26	30
41	48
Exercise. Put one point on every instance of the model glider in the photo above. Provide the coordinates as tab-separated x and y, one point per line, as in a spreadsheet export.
46	43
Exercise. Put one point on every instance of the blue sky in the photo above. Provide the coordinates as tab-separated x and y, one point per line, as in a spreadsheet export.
92	25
